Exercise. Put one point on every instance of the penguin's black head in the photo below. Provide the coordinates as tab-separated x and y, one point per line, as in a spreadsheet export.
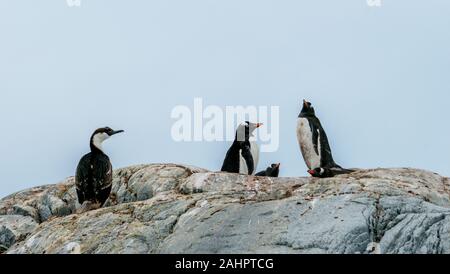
307	109
100	135
273	170
245	130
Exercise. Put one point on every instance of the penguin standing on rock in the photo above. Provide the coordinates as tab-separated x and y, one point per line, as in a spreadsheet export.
243	155
93	179
272	171
313	142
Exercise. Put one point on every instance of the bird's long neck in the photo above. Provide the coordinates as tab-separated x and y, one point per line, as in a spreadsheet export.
96	145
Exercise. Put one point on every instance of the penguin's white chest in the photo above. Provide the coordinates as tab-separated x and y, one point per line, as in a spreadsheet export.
305	140
254	149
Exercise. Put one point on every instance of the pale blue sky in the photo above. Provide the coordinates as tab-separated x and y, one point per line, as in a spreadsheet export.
378	77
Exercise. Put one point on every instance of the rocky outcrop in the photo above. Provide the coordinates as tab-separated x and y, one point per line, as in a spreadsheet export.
14	228
167	208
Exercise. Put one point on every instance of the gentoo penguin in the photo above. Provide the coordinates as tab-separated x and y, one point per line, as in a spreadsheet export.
271	171
328	172
313	140
93	179
243	155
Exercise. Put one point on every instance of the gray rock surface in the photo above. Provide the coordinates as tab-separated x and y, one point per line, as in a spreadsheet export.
14	228
167	208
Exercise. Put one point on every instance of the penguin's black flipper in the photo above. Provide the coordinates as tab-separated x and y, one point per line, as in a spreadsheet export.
247	155
231	162
326	157
321	145
315	137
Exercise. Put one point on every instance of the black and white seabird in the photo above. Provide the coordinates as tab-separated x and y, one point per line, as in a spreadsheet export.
313	140
93	177
272	171
243	155
328	172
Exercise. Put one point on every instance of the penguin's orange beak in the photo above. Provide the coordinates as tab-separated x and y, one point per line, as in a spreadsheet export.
312	172
259	125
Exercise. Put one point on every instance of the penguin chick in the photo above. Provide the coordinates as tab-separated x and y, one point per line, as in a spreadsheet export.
271	171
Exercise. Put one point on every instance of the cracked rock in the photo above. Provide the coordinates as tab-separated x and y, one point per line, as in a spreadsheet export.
168	208
14	228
